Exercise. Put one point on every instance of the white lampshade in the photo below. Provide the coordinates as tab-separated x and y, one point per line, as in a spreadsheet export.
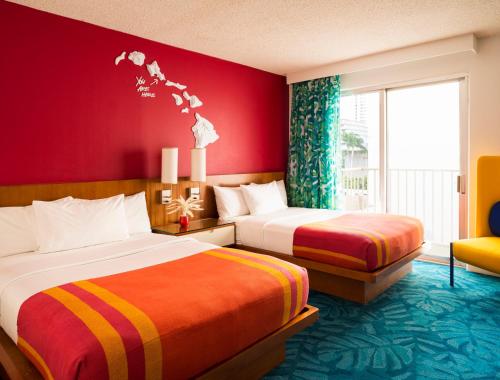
198	165
169	165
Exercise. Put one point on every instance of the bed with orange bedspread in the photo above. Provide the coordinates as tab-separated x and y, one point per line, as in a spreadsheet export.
171	320
355	256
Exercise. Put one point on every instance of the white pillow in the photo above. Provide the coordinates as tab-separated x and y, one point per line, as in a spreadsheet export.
281	188
17	229
136	212
262	199
230	202
17	234
80	223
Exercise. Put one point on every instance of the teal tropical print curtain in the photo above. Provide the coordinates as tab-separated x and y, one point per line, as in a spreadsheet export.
313	162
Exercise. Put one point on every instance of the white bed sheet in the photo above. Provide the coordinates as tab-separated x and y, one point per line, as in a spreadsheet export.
24	275
274	231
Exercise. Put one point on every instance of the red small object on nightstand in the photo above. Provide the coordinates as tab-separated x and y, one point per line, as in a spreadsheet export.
184	220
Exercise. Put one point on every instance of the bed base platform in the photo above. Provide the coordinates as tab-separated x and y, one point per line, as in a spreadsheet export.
252	363
349	284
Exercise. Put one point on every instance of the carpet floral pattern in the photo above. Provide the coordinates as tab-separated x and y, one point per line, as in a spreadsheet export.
418	329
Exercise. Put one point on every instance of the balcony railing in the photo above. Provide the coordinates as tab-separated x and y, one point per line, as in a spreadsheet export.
427	194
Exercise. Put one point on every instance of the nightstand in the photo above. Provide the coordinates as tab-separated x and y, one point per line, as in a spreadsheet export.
207	230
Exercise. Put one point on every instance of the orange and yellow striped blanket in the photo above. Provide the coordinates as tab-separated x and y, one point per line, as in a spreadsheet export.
363	242
173	320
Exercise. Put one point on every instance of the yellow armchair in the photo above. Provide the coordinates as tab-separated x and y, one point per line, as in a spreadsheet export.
484	250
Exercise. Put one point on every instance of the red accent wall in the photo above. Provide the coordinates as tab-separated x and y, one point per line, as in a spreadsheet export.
67	113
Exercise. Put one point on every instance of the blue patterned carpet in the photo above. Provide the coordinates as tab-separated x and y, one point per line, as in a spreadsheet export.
419	329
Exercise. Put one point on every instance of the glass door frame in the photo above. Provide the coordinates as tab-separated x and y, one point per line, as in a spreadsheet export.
463	184
464	178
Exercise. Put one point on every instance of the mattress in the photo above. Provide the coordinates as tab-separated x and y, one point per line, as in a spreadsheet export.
152	306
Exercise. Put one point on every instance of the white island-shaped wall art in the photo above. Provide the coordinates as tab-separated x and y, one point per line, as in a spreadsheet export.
204	132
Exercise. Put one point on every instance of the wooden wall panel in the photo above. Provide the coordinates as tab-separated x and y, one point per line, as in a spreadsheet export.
23	195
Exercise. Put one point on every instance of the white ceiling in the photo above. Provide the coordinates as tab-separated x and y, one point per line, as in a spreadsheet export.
285	36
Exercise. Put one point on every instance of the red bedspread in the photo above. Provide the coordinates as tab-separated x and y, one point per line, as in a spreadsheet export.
363	242
173	320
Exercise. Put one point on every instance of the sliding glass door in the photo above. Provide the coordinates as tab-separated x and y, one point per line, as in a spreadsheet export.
404	152
423	157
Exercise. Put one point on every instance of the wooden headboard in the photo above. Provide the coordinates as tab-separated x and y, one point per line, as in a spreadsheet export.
23	195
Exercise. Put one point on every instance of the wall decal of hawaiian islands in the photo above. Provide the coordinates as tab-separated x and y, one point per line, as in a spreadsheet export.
203	131
154	70
136	57
175	84
193	100
178	99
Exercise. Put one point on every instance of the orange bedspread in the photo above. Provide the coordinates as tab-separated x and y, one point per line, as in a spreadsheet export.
173	320
363	242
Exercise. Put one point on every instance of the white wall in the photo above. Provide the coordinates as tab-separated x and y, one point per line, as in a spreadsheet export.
484	111
433	49
483	72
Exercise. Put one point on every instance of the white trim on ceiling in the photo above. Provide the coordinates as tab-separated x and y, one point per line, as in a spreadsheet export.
448	46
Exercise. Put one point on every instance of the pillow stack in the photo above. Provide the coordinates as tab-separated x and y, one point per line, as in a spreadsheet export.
70	223
230	202
254	199
18	229
80	223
